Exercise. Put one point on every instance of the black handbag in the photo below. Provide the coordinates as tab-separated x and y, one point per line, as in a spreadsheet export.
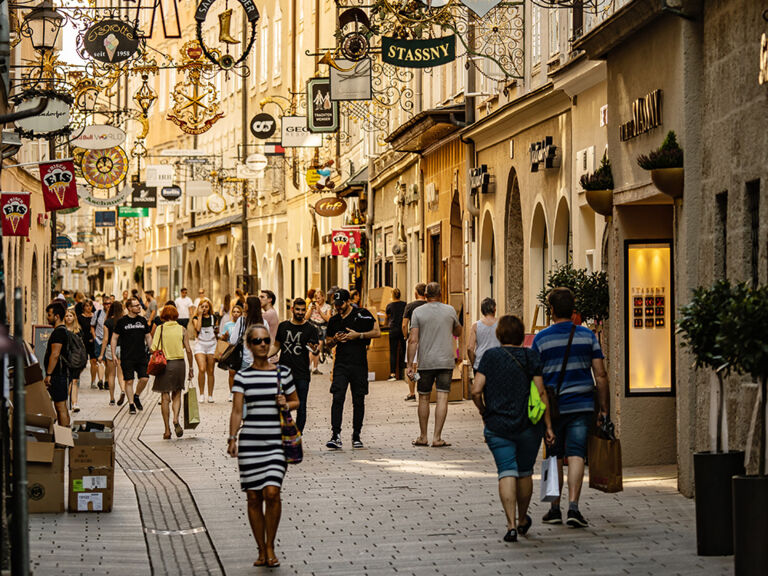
232	357
553	395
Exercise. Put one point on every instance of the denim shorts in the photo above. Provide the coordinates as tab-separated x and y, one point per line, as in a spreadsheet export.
571	435
515	456
441	379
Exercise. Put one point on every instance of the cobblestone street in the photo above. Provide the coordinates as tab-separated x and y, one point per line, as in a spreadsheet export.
388	509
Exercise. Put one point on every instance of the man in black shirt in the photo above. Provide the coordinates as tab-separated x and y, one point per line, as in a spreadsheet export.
350	329
56	373
395	310
135	340
294	339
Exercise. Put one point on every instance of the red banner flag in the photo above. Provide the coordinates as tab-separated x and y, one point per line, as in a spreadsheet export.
59	186
16	215
346	243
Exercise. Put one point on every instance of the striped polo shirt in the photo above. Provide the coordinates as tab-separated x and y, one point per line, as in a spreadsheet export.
576	392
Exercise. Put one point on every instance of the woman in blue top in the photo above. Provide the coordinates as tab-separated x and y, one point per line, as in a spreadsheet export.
500	390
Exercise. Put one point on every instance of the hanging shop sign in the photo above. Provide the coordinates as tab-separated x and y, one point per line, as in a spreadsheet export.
354	29
57	180
323	113
63	242
544	155
160	175
196	105
256	162
216	203
86	195
296	134
221	57
105	218
98	137
346	243
330	206
104	168
263	126
418	53
479	179
130	212
646	115
53	121
144	196
199	188
111	41
480	7
171	193
351	80
273	149
15	212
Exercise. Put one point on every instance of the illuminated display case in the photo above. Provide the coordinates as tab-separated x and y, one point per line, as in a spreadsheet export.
648	321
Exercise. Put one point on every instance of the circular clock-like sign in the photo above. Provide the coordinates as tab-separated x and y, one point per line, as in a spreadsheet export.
105	168
216	203
111	41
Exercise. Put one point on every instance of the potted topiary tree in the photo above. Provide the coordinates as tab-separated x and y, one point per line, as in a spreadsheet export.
666	166
745	336
589	289
599	187
699	325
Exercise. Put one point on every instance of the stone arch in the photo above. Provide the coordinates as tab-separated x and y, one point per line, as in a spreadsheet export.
226	282
561	234
188	278
196	285
264	277
206	274
487	268
216	295
539	258
513	235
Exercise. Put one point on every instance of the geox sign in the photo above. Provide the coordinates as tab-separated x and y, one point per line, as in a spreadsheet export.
646	114
418	53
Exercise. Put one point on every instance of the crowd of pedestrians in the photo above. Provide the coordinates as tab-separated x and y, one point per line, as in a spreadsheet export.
280	358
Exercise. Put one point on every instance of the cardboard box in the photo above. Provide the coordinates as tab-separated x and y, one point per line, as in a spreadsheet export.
92	467
46	453
455	394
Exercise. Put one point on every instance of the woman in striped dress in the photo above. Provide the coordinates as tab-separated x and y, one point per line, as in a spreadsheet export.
259	450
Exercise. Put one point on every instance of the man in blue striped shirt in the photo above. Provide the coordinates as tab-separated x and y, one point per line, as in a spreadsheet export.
576	397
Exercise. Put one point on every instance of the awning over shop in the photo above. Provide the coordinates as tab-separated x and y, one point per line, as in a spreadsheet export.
219	224
426	128
354	185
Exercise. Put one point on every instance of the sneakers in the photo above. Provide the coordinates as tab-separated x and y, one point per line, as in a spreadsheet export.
203	398
357	443
391	379
554	516
112	402
510	536
100	385
334	442
131	409
121	399
410	397
93	385
210	399
75	408
137	402
576	520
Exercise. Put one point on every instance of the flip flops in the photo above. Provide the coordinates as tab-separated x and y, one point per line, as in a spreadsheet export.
444	444
417	443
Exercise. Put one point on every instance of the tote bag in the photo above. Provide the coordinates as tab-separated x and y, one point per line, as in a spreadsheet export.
290	433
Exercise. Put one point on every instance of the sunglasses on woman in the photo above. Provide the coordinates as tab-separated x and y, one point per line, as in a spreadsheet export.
257	341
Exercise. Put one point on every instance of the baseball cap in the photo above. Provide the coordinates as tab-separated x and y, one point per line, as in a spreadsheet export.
341	295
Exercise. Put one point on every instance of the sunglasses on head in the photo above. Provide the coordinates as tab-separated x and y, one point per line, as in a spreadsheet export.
258	341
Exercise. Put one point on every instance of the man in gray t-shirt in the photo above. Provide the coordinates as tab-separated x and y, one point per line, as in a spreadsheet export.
433	328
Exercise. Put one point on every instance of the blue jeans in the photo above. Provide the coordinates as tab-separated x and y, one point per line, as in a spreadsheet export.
516	456
571	435
302	389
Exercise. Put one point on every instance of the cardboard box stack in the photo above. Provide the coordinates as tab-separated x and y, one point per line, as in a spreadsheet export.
92	467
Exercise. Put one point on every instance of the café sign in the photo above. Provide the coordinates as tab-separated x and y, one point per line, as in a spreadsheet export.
111	41
52	121
330	206
418	53
646	115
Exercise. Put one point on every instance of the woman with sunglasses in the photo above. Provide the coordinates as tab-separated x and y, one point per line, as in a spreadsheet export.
264	388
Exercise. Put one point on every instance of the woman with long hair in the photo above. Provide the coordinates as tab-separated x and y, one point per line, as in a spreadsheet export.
319	313
264	388
251	317
171	338
72	324
204	325
84	318
113	364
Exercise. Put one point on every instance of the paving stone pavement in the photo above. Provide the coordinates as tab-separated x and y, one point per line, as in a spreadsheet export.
395	509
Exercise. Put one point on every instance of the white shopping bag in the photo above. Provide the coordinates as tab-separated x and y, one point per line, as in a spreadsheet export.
550	485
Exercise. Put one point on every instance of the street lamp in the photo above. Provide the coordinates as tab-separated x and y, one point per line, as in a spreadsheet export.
42	25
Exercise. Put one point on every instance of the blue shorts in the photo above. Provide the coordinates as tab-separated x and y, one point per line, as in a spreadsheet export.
571	435
515	456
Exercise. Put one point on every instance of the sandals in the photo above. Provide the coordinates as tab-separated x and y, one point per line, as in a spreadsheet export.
522	529
419	443
167	436
443	444
178	429
511	535
410	397
273	562
260	562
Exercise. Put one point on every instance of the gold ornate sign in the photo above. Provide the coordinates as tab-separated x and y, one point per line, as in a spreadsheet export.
104	168
196	106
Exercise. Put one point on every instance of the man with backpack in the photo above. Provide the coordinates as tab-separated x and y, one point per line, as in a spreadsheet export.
56	371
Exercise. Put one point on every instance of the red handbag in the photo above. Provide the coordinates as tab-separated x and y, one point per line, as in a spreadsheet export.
157	361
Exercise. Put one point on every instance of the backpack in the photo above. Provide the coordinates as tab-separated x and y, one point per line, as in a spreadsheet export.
76	358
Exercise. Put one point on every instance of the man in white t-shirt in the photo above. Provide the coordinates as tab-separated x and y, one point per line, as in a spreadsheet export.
183	305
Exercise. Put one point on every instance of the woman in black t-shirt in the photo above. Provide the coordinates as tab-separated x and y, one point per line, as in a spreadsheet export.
113	364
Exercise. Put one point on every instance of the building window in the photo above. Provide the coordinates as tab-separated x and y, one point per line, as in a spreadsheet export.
535	35
753	213
277	32
721	236
554	32
263	74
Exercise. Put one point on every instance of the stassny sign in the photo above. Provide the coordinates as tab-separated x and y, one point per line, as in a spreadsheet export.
418	53
646	114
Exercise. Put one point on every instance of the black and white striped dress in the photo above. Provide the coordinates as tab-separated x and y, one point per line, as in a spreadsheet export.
260	451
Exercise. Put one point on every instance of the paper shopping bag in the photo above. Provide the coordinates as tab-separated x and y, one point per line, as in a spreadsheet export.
550	483
221	347
191	409
605	464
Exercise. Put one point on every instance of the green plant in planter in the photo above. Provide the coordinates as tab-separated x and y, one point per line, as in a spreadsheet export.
589	289
138	274
744	340
700	326
669	155
600	179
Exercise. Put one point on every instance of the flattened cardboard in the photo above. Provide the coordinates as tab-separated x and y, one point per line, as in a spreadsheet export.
38	401
41	452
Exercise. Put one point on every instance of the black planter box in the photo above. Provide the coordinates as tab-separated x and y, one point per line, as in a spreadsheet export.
750	522
714	513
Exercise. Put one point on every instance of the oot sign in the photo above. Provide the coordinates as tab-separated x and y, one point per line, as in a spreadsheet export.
263	126
418	53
